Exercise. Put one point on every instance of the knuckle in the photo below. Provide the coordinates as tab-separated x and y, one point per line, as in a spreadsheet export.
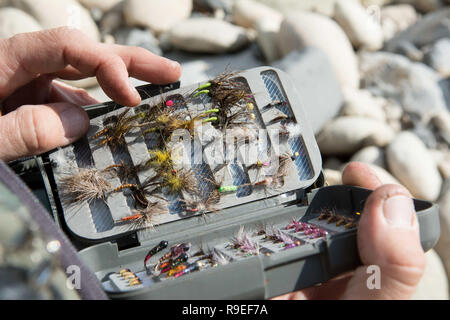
66	34
32	139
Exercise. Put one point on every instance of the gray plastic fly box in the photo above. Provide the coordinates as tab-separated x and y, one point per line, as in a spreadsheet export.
111	245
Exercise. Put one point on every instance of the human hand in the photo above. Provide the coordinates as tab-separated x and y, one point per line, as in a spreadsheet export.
388	236
38	113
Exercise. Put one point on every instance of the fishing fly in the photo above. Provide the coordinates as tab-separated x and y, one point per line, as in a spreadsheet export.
116	127
86	185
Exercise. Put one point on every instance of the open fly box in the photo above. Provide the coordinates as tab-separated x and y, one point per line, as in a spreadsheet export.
246	217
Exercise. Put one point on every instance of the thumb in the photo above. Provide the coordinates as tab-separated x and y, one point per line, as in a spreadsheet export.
388	237
34	129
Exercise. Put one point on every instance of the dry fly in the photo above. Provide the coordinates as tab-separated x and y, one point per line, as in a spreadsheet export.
116	128
144	218
232	99
174	182
87	185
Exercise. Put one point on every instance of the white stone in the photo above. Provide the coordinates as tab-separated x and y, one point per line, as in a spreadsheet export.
267	37
424	5
412	164
112	21
346	135
439	57
441	120
397	18
158	15
362	103
379	3
14	21
207	35
332	177
434	283
103	5
362	29
412	85
442	160
427	30
392	110
303	29
53	14
325	7
371	155
333	163
247	13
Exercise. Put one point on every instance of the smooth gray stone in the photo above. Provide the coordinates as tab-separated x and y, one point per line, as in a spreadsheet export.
412	85
138	38
316	82
429	29
444	84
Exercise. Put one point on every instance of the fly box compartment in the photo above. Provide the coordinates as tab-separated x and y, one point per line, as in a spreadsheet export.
212	191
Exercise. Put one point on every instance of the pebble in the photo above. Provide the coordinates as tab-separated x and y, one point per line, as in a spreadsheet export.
362	103
444	85
201	35
157	15
346	135
424	5
267	36
426	134
14	21
308	68
198	67
414	86
139	38
332	177
425	31
213	5
442	160
304	29
362	29
53	14
371	155
412	164
379	3
103	5
247	13
397	18
325	7
441	121
439	57
333	163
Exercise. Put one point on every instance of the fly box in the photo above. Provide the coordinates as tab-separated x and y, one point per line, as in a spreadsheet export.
213	191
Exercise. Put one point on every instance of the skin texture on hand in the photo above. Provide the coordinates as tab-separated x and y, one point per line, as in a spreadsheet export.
39	113
388	237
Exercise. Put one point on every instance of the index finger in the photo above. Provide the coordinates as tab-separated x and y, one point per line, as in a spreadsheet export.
359	174
26	56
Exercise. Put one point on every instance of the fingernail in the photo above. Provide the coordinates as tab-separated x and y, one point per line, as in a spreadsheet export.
74	123
398	211
135	92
